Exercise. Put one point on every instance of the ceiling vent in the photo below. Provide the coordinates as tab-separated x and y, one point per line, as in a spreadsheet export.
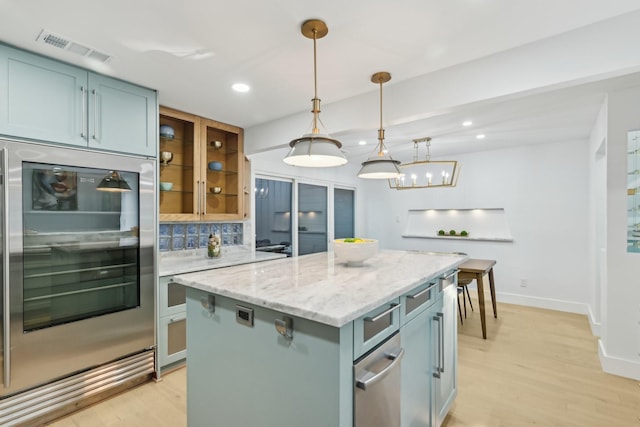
64	43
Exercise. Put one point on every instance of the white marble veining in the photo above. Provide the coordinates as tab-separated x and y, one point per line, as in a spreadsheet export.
179	262
320	288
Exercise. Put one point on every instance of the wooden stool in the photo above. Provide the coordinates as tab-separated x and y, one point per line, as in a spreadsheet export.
475	269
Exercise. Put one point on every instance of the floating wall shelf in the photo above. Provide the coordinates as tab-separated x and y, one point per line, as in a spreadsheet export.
482	224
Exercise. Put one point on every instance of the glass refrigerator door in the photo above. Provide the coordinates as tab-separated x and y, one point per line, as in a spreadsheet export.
633	192
81	245
4	321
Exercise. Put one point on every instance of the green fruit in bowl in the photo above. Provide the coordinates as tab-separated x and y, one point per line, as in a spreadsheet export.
353	240
464	233
452	232
441	233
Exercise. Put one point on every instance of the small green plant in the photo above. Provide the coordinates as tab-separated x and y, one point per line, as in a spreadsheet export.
464	233
440	232
452	232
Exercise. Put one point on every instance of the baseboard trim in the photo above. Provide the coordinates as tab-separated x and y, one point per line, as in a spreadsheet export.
547	303
595	326
616	366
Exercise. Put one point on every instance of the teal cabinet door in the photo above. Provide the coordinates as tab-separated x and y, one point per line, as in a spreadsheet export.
416	370
42	99
445	387
123	117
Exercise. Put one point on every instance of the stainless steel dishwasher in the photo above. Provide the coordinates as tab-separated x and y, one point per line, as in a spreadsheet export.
377	385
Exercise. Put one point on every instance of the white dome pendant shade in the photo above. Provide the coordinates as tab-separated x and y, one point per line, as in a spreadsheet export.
315	149
381	165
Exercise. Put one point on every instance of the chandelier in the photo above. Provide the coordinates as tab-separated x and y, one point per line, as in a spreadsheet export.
426	173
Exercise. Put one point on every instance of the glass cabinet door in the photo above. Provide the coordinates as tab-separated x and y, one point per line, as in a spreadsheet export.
222	175
178	187
81	244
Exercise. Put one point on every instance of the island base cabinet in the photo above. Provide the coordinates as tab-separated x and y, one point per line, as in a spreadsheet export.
242	375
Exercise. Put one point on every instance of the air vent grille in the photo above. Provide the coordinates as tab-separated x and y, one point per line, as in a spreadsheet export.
55	41
65	43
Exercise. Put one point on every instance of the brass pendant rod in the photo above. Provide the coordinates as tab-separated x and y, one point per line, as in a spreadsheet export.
316	101
380	78
381	130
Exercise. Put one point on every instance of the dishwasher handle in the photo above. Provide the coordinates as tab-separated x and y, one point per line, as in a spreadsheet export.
370	378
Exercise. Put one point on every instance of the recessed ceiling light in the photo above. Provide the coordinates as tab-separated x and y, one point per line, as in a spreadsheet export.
467	123
480	136
240	87
362	142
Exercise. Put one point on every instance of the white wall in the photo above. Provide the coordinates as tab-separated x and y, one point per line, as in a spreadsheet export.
543	190
620	343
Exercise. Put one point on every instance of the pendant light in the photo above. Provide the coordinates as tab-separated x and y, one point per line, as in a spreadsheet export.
380	166
113	182
315	149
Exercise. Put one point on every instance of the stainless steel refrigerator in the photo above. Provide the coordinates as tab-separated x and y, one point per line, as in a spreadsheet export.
77	272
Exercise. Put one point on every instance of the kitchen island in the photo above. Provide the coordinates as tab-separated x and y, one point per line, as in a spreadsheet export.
274	343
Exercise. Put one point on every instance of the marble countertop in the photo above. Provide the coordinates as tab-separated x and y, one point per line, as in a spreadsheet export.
197	260
319	288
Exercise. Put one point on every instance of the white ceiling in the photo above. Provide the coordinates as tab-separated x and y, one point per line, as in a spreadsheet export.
193	50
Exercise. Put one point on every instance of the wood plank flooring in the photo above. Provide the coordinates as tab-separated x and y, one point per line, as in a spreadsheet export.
536	367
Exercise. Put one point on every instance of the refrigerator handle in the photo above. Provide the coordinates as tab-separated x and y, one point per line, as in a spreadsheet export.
6	315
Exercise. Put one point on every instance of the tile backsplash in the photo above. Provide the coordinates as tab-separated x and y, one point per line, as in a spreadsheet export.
178	236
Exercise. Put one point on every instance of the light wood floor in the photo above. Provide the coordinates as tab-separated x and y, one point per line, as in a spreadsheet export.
537	367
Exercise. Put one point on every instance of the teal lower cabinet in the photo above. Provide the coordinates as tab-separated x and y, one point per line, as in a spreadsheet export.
242	372
417	369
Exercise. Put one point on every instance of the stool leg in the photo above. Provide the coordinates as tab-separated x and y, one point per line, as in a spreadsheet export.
464	302
466	288
459	310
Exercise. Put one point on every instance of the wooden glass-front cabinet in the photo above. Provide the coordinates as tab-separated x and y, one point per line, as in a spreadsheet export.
202	170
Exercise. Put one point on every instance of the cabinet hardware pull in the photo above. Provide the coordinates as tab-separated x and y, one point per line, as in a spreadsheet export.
83	123
436	373
441	316
95	114
422	292
392	307
450	275
6	315
204	198
198	195
363	383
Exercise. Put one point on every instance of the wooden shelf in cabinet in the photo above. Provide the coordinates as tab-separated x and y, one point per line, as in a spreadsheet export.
196	143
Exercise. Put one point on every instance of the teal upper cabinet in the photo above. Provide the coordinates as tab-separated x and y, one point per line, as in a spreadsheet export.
51	101
122	117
